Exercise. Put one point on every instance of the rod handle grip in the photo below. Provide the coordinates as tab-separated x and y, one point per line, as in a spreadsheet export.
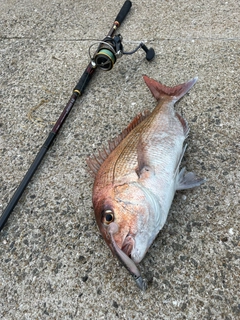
124	11
84	80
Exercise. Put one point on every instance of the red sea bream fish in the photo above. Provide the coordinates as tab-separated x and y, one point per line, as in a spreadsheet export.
137	176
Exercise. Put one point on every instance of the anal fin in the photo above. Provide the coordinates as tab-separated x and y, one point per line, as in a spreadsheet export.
176	172
184	124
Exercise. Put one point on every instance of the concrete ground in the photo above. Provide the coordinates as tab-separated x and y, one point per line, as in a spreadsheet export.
54	263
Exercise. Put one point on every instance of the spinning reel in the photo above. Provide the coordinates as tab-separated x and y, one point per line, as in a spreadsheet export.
110	49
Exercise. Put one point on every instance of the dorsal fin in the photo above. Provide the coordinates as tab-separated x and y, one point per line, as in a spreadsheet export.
160	91
94	162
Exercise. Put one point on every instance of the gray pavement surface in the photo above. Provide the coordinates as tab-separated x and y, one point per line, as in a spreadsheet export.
54	263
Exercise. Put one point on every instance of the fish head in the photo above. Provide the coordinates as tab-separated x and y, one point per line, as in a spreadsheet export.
108	209
134	211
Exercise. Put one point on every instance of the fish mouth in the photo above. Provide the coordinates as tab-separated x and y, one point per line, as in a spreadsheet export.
128	244
124	258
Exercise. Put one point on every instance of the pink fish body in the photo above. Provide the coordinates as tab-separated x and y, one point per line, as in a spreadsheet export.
137	176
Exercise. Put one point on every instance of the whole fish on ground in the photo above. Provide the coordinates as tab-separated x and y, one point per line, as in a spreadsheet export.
137	176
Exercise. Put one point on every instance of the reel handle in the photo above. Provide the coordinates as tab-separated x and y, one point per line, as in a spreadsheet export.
124	11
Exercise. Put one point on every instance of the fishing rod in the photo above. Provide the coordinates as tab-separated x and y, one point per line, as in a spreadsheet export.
108	51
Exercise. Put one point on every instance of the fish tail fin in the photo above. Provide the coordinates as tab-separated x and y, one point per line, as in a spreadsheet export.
160	91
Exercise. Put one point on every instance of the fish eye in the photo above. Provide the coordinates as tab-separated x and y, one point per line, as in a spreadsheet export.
108	216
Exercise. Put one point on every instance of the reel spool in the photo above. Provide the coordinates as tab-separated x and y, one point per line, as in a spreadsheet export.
106	55
105	59
110	49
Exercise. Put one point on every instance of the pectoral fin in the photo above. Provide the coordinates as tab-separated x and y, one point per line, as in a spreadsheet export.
188	180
